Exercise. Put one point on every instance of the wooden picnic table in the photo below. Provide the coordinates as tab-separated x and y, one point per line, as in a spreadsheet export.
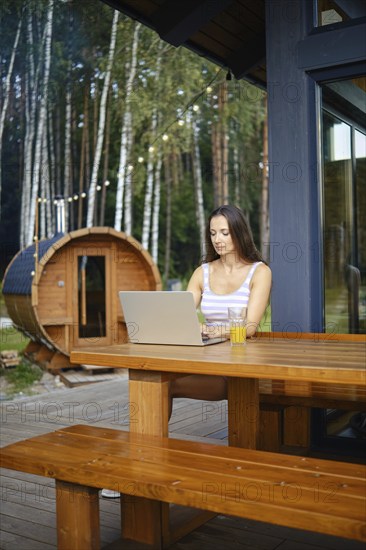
309	358
314	358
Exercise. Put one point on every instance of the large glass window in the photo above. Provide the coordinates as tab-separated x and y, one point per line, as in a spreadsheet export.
344	158
338	11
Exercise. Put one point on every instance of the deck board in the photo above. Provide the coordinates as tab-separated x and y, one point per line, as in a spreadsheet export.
27	520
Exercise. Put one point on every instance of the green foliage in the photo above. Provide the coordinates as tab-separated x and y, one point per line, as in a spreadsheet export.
11	338
21	378
80	42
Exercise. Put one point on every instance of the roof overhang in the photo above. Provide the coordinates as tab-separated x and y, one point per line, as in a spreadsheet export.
231	33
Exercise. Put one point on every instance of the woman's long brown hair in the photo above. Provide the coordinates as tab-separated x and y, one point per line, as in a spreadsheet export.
240	232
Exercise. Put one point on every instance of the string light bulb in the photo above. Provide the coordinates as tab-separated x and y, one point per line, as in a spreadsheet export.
165	137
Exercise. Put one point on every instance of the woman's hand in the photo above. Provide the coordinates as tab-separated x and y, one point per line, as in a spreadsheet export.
215	331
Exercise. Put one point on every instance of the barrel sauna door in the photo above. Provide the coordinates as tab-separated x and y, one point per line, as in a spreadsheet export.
92	296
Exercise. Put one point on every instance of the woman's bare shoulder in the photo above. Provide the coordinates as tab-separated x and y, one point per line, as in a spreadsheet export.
264	268
263	272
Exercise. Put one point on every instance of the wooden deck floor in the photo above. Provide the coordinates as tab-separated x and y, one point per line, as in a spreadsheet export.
28	502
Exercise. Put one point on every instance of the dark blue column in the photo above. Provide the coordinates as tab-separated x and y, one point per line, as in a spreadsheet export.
295	213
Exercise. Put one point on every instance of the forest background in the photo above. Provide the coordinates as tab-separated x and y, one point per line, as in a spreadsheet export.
134	133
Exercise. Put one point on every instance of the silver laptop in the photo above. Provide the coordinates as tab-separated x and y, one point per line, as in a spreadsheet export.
163	317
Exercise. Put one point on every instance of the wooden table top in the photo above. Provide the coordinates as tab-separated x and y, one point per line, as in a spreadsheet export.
311	359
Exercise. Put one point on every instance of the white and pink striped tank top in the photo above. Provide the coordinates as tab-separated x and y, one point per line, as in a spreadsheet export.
214	306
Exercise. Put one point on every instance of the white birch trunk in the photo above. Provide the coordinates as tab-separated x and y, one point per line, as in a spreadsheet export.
7	94
149	187
146	223
128	184
30	127
168	230
52	164
26	188
41	123
156	211
197	178
43	183
101	125
67	166
124	178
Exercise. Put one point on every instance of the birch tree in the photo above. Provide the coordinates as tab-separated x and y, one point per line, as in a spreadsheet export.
156	209
197	178
37	167
67	156
149	185
146	223
30	108
67	150
7	93
168	228
101	125
124	177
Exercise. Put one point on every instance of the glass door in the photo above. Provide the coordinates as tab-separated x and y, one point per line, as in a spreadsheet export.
344	190
91	298
344	244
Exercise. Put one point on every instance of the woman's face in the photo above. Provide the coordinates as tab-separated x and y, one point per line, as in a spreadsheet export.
220	235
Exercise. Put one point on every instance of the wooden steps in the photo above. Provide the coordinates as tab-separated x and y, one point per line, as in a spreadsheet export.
81	377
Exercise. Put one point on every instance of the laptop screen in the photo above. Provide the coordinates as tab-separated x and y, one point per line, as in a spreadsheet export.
161	317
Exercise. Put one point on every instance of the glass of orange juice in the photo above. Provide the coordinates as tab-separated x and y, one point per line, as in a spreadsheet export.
238	330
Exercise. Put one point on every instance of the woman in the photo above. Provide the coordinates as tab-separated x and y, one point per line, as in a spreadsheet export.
233	274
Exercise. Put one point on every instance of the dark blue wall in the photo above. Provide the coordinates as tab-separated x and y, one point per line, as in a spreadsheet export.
295	213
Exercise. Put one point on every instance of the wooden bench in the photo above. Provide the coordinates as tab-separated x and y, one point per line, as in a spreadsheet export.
304	493
286	406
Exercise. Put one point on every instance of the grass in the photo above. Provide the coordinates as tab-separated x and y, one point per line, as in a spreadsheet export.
20	379
11	338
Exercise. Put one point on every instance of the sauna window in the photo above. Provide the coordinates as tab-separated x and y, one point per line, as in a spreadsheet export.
91	296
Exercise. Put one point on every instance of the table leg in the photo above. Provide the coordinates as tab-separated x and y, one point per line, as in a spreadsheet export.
77	516
148	396
243	412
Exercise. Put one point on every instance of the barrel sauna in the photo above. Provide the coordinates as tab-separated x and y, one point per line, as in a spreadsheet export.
63	292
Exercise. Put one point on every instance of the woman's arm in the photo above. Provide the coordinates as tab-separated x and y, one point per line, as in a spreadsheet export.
195	285
259	297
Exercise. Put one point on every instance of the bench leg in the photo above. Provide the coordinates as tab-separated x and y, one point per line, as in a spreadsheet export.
77	513
141	520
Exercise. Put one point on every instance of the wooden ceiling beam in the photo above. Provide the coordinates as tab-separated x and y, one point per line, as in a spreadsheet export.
177	21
